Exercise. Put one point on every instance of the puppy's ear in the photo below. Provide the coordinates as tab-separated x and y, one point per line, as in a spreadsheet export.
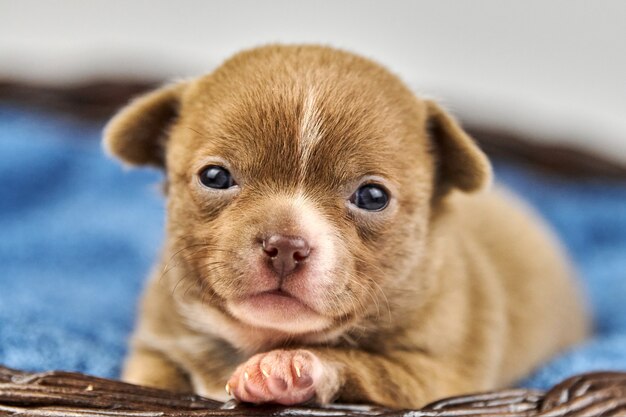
460	163
138	132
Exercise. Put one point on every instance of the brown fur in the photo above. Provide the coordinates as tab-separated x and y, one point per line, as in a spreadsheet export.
453	288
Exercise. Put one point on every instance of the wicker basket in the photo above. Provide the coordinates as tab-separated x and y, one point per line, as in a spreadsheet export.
57	393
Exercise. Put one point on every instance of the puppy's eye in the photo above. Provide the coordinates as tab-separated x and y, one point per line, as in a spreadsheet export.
217	177
370	197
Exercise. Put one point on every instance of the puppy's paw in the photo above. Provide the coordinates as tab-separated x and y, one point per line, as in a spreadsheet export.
280	376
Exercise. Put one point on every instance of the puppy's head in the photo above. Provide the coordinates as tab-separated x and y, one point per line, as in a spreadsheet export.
301	182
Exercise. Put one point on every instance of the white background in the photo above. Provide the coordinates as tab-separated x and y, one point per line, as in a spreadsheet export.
550	68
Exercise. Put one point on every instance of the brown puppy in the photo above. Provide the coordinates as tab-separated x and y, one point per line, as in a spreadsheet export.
331	236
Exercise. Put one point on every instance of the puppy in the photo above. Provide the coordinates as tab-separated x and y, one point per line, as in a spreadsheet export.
330	236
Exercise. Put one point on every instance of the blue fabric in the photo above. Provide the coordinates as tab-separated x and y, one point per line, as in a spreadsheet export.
79	235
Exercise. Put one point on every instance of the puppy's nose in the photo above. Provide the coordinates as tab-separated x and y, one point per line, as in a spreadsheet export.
285	253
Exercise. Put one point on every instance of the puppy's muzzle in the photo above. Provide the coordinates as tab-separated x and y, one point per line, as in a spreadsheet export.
285	254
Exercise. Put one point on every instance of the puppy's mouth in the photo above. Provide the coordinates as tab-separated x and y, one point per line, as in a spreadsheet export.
279	299
279	310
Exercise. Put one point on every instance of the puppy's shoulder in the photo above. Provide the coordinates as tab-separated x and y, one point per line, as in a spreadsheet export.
497	213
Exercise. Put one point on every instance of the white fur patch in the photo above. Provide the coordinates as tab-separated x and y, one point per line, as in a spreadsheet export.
310	127
319	231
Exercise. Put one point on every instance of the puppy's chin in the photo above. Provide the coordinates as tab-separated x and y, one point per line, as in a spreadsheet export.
278	311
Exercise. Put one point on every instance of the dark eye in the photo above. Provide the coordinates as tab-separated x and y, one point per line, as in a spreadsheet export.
217	177
370	197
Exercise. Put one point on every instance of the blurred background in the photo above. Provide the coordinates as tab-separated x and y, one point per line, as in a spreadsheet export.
540	84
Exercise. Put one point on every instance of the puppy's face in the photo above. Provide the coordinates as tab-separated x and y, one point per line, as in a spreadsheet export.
300	183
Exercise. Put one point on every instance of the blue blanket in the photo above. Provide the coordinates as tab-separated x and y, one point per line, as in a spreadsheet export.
79	235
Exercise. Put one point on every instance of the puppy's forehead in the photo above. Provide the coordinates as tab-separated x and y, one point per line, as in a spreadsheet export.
298	122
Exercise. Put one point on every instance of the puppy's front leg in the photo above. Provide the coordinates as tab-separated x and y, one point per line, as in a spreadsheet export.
398	379
148	367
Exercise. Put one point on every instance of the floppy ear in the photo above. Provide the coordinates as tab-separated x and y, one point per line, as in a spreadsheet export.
460	163
138	132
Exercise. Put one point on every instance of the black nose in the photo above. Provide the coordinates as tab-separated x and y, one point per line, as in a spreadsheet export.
285	253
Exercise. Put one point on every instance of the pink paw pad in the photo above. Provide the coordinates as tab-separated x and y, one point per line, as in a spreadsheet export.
280	376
